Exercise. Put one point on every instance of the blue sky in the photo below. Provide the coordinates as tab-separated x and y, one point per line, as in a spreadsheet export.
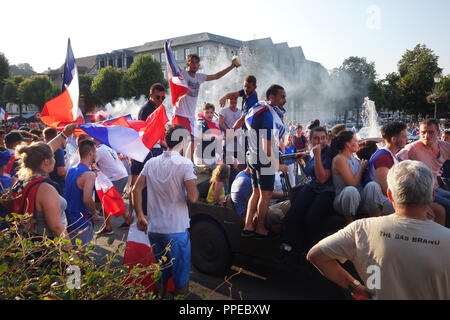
329	31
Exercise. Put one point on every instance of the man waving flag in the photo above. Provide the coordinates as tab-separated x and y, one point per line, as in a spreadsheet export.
64	109
178	85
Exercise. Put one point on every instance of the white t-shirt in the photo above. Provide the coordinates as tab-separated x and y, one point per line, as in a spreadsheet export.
413	256
230	117
166	193
108	162
189	103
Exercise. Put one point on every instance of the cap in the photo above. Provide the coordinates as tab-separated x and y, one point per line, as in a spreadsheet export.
4	157
14	137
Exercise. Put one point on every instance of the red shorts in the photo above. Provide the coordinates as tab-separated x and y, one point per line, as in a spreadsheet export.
184	122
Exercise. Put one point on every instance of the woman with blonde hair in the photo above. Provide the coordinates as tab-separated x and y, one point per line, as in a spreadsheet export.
34	193
219	179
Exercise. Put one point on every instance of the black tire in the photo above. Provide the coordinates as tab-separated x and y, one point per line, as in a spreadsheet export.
210	252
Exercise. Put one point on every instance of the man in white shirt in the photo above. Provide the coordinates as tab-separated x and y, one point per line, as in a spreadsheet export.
184	115
404	256
108	162
171	184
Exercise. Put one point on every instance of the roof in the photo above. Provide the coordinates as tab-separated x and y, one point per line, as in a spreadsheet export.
189	39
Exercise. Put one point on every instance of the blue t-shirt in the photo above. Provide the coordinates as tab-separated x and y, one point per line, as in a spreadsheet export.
59	162
241	191
290	150
262	126
248	102
327	161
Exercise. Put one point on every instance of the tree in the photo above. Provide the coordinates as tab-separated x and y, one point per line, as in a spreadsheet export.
9	94
417	69
85	83
106	85
352	82
4	67
138	79
37	90
23	69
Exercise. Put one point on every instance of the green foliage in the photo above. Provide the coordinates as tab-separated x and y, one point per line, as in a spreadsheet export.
23	69
37	90
138	79
417	69
106	85
85	83
38	269
4	67
9	94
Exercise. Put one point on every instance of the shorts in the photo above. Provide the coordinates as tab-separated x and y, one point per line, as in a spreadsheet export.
260	181
185	123
180	251
136	166
86	234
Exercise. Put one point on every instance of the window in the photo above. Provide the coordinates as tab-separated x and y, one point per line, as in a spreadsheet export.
163	57
119	62
177	55
200	51
129	62
187	52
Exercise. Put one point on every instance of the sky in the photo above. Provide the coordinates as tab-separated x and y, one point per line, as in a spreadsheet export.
329	31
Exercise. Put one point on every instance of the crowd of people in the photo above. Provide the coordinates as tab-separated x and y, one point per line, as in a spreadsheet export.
381	188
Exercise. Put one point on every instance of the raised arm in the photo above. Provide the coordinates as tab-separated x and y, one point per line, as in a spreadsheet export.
341	167
220	74
230	95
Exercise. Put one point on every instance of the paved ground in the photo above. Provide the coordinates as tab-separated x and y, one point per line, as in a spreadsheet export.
254	281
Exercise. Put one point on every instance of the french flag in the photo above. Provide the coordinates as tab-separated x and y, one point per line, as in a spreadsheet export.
138	251
132	139
64	109
178	86
253	112
3	114
109	197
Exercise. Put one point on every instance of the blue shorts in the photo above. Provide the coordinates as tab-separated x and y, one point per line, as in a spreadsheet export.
180	251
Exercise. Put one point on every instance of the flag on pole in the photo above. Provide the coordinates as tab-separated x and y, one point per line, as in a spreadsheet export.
178	86
64	109
109	197
3	114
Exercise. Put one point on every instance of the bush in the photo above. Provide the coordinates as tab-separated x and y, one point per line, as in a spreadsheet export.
34	268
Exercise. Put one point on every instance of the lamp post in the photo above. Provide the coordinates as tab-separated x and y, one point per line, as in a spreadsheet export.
437	79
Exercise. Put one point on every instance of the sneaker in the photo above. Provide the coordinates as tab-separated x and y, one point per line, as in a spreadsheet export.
104	232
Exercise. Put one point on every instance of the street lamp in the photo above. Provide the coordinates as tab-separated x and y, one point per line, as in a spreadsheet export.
437	79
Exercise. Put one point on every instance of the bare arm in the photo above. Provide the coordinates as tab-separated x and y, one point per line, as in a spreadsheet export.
192	191
331	269
140	184
217	191
87	181
47	202
220	74
320	172
341	167
222	124
382	173
239	123
61	171
59	141
230	95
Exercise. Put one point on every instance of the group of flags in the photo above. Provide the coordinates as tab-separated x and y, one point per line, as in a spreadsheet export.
132	138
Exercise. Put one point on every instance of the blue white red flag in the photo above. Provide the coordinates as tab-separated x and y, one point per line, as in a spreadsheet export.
3	114
109	197
134	140
178	86
64	109
253	112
